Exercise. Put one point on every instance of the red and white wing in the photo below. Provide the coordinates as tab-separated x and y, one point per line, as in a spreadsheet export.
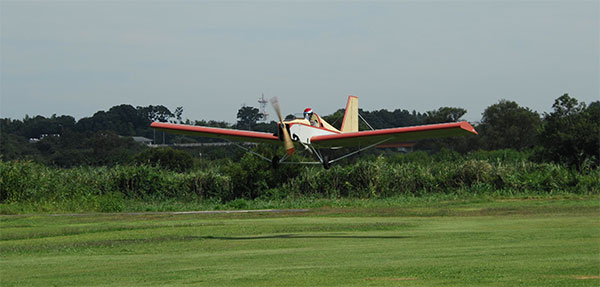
393	135
228	134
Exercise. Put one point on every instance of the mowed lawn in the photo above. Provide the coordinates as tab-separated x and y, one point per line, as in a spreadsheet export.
494	243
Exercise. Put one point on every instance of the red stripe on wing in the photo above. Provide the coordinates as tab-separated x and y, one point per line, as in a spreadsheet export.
231	134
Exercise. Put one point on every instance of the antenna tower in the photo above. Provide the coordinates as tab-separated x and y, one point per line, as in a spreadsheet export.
263	108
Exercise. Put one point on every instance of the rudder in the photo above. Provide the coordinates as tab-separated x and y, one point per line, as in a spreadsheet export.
350	122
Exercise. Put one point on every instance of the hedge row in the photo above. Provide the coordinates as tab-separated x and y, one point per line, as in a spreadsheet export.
380	178
250	178
28	181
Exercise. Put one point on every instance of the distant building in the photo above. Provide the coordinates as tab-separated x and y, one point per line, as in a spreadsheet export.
142	140
49	135
34	140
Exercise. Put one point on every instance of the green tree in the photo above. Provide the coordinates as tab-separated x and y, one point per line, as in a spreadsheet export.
334	119
570	134
379	119
247	117
177	114
121	119
167	158
156	113
38	125
507	125
14	147
108	148
444	115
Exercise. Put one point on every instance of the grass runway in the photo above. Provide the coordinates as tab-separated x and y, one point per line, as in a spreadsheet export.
491	243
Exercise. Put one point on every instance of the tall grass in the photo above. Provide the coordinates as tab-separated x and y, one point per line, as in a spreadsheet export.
380	178
110	188
104	188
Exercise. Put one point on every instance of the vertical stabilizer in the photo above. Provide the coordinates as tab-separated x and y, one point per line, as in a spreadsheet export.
350	123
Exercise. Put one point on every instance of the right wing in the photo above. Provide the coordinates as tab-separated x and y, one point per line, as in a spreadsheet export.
393	135
228	134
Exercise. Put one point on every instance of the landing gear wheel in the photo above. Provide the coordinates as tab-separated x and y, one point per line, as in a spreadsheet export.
275	162
326	164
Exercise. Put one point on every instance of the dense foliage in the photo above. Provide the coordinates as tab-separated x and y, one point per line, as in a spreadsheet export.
501	172
168	158
571	133
508	125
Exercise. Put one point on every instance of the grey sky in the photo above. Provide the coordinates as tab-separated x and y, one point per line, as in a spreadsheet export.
79	57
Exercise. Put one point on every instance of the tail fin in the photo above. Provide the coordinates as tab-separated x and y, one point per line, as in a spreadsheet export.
350	123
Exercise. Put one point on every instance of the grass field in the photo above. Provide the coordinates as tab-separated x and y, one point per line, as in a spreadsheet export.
543	242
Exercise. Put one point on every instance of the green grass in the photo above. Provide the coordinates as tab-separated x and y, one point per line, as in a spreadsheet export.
510	242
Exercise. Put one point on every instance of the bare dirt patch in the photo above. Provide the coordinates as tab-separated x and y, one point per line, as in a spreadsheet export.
586	277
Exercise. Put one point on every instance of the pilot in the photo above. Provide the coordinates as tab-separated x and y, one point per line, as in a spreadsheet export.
309	115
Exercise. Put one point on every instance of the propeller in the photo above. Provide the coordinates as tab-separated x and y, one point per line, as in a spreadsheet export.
287	140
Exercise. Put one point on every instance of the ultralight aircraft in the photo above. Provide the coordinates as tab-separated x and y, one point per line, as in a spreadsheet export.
315	135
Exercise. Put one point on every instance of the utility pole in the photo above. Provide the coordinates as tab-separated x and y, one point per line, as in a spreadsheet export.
263	108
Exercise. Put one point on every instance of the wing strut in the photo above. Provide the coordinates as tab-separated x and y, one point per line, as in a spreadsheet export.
359	150
248	150
322	159
316	152
361	117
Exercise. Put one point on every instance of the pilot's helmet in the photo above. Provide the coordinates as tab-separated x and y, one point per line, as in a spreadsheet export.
308	112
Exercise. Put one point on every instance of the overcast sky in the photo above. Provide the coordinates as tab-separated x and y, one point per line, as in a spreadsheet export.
78	57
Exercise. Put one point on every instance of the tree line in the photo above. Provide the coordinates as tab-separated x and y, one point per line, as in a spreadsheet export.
568	135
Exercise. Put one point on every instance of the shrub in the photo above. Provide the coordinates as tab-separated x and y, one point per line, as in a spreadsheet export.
15	185
111	202
473	172
501	156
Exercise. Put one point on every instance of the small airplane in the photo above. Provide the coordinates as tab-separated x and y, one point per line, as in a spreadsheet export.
315	135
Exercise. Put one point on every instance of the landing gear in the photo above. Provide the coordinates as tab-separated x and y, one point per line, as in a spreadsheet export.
326	163
275	162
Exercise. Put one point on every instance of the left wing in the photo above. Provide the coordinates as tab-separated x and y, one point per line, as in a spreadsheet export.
393	135
229	134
